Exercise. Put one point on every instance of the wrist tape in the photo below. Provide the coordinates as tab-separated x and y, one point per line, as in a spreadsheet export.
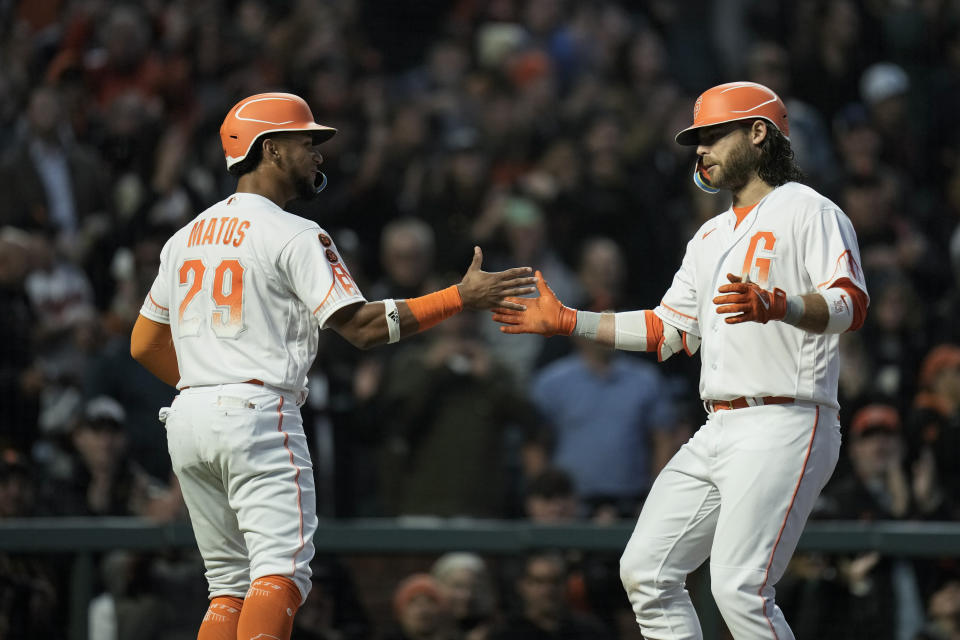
795	309
587	324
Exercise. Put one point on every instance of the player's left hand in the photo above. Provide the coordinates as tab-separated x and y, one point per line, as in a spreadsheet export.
484	290
750	302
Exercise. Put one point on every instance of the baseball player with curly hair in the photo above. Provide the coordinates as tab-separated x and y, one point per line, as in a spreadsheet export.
232	321
764	290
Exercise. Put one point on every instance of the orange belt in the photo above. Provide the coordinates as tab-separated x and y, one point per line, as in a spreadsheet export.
743	403
251	381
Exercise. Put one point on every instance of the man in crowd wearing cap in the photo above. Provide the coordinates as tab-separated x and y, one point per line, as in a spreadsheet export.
882	595
99	478
420	610
766	287
933	433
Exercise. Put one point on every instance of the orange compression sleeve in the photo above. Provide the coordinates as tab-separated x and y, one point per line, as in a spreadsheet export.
435	307
654	329
152	346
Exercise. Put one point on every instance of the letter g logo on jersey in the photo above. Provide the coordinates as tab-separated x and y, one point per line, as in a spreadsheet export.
759	256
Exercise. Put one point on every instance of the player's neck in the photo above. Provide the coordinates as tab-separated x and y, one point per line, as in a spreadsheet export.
274	190
751	193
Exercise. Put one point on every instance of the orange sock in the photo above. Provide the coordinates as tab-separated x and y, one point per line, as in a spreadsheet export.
269	608
220	621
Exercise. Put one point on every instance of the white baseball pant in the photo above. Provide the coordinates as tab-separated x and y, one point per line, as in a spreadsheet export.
241	456
739	492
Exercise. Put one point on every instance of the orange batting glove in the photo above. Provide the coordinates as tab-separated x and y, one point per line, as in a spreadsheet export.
544	315
750	301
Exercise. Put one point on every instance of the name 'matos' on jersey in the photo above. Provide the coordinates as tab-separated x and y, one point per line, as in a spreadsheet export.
244	287
793	239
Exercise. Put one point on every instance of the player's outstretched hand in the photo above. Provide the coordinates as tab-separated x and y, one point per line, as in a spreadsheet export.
545	315
750	302
482	290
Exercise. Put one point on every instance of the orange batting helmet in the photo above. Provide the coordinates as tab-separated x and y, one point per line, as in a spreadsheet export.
735	101
266	113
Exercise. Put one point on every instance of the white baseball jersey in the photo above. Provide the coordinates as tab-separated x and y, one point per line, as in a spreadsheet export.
793	239
244	287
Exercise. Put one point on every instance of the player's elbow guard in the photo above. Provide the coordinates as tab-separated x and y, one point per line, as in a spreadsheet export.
674	341
646	331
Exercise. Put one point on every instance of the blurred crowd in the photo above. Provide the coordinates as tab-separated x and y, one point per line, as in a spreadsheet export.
542	131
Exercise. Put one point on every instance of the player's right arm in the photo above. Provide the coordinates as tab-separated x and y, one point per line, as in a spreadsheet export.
626	330
151	344
368	324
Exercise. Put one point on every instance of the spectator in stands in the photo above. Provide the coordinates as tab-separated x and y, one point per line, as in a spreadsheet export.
66	329
333	610
446	449
613	424
98	478
51	183
113	372
17	490
522	224
22	378
407	258
882	596
466	588
542	613
550	497
30	605
934	424
420	610
943	613
593	579
885	90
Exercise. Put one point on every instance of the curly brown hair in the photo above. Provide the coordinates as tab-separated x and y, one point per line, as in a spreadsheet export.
777	164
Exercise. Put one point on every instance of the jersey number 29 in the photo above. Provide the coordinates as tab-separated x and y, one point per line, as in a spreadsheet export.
226	292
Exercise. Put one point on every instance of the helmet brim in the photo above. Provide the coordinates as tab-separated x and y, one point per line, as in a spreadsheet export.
689	137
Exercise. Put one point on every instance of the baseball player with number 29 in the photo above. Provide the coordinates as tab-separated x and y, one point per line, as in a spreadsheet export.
232	321
764	290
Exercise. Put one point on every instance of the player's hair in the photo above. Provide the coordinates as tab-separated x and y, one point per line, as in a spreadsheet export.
251	161
777	164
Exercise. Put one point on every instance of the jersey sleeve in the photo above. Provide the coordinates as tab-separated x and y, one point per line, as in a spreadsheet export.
830	251
679	304
156	306
317	275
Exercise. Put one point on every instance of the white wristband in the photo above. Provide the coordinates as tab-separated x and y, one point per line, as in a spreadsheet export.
393	320
839	310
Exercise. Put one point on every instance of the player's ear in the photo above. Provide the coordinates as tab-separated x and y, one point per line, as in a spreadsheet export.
758	131
271	150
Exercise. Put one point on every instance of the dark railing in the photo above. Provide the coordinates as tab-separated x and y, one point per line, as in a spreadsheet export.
83	537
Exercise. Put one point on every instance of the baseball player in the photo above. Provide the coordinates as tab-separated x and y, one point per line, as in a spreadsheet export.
764	290
231	320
